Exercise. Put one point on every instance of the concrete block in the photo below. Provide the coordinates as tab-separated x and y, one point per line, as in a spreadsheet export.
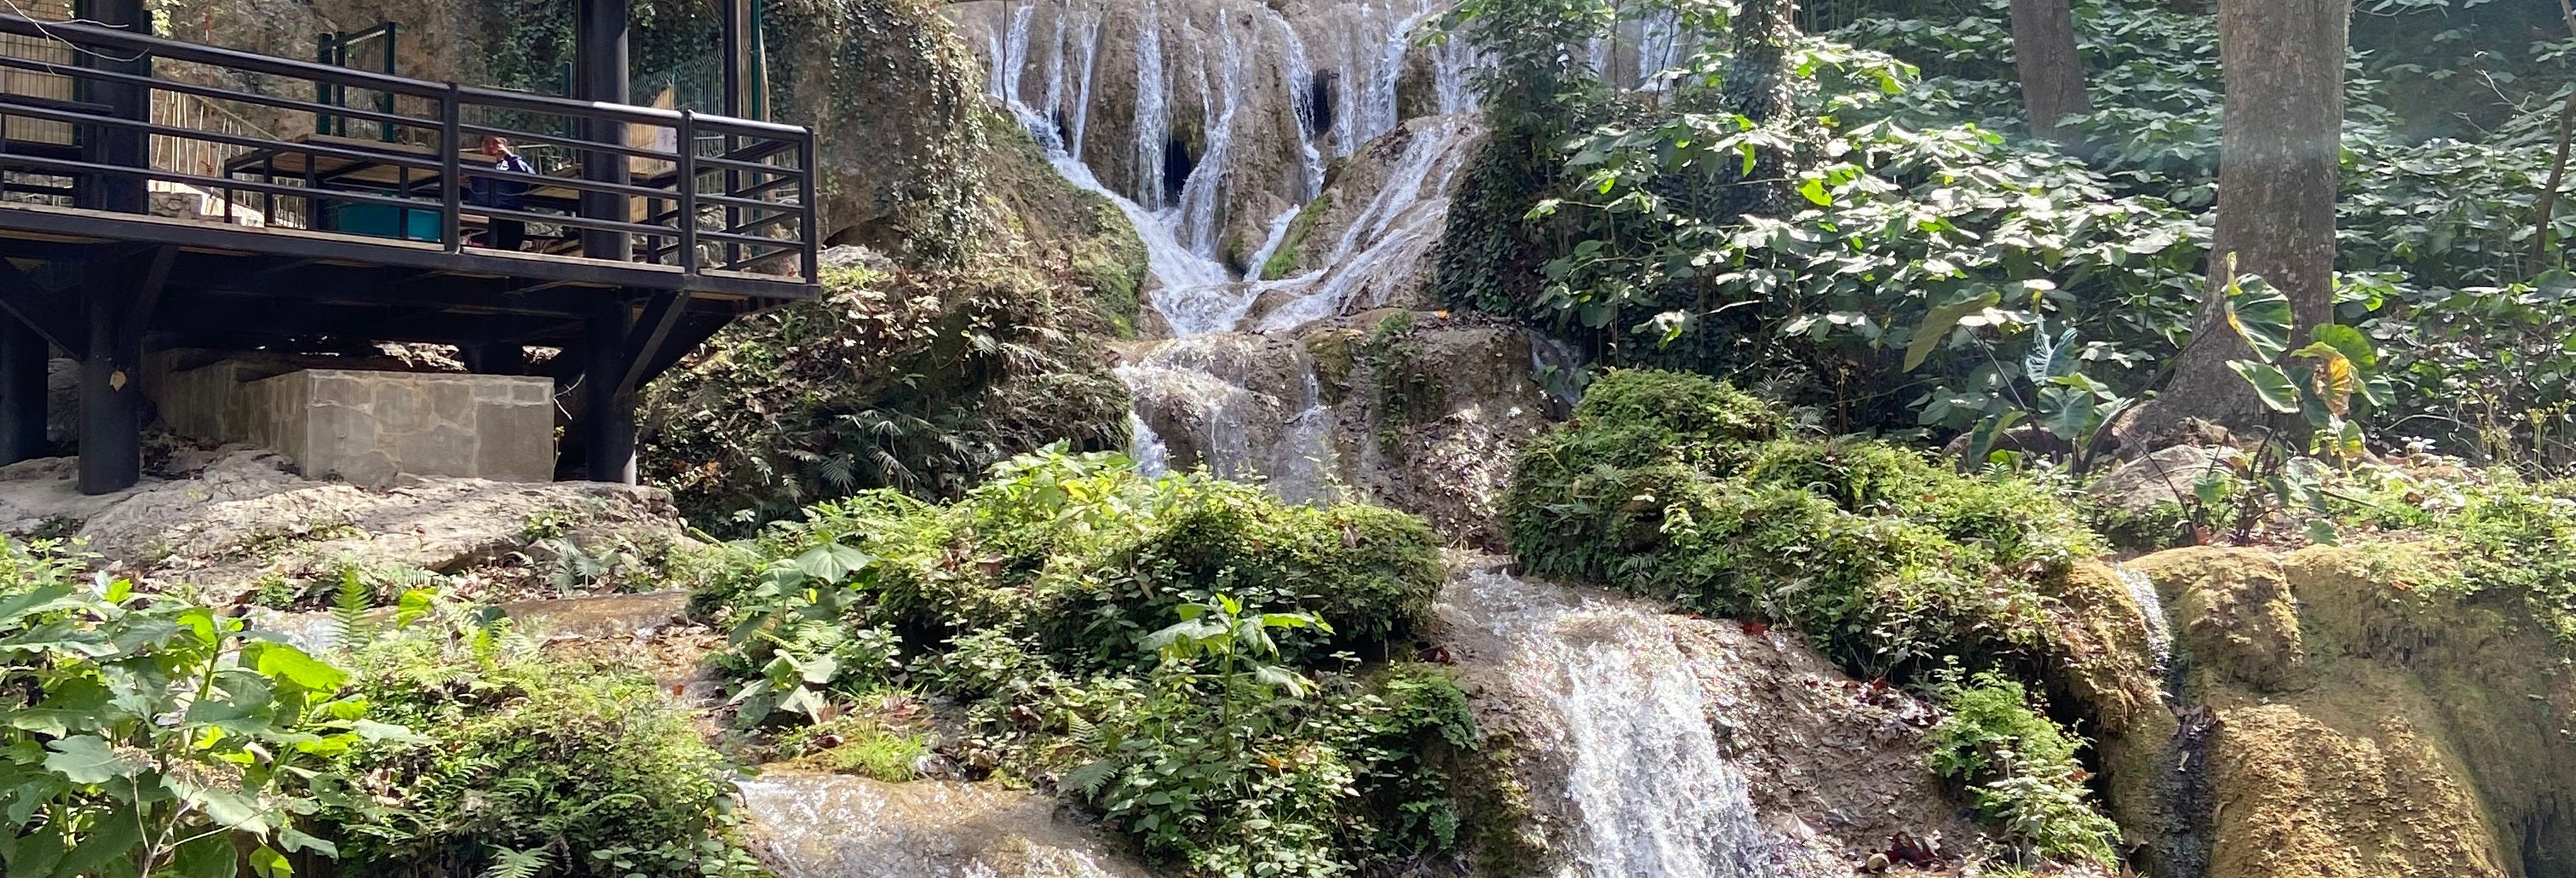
372	428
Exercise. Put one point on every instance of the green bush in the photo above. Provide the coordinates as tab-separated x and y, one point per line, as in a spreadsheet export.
146	735
1672	485
562	769
1180	655
2020	769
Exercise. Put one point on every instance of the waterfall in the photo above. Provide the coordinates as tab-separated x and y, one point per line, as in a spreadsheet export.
1648	789
1153	113
1266	98
1152	457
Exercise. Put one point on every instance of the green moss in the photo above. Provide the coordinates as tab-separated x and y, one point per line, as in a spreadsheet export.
1293	245
1674	486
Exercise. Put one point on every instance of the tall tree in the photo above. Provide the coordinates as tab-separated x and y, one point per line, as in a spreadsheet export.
2280	154
2052	73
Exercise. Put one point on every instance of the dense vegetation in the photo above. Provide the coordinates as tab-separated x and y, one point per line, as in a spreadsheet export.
1216	673
1938	268
150	736
1676	486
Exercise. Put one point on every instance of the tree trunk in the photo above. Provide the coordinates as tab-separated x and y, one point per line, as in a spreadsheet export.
2052	74
2279	160
1758	86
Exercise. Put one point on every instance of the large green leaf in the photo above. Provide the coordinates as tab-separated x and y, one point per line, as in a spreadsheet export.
107	849
42	600
86	759
2354	345
832	562
2274	386
279	661
2261	314
1937	324
2066	412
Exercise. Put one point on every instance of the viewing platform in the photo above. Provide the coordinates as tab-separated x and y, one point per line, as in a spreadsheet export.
127	228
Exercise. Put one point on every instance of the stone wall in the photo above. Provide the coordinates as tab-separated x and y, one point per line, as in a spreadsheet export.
372	427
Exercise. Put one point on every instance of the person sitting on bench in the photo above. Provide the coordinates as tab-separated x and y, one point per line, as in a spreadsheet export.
499	194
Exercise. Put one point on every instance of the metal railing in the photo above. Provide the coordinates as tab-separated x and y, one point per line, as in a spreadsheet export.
699	192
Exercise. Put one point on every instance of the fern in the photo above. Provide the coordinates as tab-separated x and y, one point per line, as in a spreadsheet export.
1092	777
517	864
351	629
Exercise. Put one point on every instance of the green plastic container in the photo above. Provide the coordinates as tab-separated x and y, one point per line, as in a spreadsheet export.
385	221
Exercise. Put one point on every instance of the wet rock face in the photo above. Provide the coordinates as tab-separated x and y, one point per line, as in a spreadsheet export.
1431	418
830	826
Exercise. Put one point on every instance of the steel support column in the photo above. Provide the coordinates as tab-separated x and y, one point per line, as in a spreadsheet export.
608	422
111	397
600	60
123	147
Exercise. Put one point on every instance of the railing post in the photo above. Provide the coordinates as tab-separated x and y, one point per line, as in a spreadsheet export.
451	177
809	231
688	180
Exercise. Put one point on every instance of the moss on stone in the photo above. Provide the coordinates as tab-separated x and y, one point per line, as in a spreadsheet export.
1292	246
2369	719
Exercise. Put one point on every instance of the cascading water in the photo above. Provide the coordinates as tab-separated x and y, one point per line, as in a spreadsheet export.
1249	74
822	826
1647	788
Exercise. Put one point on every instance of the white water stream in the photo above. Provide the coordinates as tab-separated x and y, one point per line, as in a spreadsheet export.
1647	785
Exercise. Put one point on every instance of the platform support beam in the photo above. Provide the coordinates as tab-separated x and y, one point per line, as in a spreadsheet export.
608	422
111	399
122	147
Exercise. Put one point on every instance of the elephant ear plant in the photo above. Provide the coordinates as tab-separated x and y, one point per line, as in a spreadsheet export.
146	736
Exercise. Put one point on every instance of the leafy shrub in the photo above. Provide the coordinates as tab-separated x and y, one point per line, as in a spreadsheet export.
150	736
1247	738
903	379
530	763
2020	769
1673	485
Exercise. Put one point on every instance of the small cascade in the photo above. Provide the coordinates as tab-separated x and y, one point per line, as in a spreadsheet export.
1390	236
1153	458
1648	790
2151	612
1247	406
831	826
1153	112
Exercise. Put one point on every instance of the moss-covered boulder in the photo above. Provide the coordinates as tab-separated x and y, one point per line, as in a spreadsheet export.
2370	710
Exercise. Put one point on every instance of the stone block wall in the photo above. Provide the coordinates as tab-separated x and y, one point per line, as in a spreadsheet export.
371	428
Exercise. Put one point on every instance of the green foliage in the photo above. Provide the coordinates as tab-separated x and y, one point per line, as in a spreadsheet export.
2020	768
150	737
895	379
531	764
1674	486
1945	273
1164	649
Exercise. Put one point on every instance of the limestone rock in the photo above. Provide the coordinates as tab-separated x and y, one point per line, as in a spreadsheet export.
247	517
2354	722
2165	477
